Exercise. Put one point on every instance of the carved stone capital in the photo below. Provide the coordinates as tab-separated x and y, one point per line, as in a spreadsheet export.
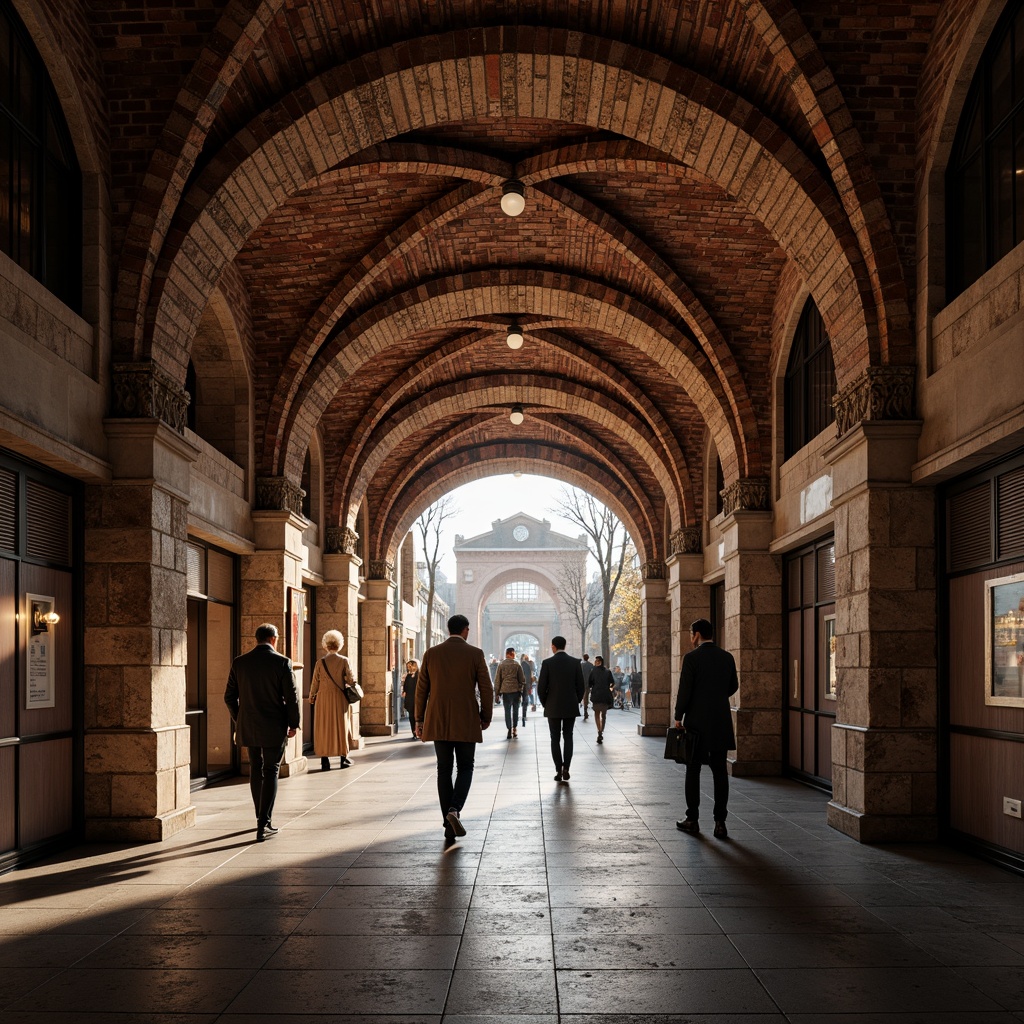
144	391
654	571
746	495
341	540
278	494
686	541
879	393
382	570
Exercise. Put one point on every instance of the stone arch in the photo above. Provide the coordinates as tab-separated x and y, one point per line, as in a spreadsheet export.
720	135
224	395
674	293
788	319
488	586
811	80
557	297
640	515
463	471
440	359
946	79
313	484
534	392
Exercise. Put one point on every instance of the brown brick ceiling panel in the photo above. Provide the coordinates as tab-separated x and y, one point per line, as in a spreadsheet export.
561	297
193	279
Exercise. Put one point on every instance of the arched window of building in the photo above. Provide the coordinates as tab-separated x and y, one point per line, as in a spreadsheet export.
40	182
522	592
810	382
985	186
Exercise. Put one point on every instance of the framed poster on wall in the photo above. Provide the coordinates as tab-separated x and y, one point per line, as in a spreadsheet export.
296	617
39	682
1004	641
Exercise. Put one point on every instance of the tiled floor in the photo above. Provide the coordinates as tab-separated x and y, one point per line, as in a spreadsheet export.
577	903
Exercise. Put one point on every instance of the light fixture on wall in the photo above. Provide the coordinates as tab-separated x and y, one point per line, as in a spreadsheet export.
514	338
43	619
513	199
516	416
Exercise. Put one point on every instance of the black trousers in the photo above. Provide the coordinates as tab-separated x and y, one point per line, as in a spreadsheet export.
716	762
450	754
264	766
561	728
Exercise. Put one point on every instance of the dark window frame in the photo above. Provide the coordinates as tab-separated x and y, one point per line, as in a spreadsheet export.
975	150
807	404
36	145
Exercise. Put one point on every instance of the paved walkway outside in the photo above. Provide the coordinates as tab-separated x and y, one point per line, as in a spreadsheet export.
575	903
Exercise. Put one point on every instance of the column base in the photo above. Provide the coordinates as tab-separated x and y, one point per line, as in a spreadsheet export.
745	769
882	828
378	730
139	830
294	766
651	730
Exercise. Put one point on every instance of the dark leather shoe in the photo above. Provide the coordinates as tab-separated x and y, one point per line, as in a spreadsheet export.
325	764
689	825
565	774
721	832
455	822
558	775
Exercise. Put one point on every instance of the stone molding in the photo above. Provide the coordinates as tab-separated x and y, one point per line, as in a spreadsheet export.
654	571
144	391
879	393
341	541
278	494
382	570
686	541
746	495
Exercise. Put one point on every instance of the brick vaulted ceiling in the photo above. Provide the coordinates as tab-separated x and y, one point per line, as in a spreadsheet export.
338	166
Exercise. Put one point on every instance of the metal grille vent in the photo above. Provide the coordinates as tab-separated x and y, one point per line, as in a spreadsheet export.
196	561
1010	490
47	523
8	510
970	528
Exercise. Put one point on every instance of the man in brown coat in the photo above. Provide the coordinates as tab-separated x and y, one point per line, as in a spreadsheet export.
454	703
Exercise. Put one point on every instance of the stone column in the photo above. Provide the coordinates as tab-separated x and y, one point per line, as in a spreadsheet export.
656	656
689	599
267	574
753	627
136	740
377	716
884	739
337	607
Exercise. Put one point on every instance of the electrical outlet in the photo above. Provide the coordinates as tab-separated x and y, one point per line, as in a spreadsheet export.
1011	807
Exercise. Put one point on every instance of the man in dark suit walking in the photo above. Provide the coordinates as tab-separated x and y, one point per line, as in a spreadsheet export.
454	704
706	683
560	689
264	706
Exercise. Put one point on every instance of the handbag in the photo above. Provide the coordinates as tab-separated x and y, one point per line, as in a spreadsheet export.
353	693
674	744
682	746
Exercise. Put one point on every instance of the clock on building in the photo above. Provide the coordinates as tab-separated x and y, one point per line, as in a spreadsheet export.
520	533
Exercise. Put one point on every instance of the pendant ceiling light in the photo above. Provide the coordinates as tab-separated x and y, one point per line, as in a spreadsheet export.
516	416
513	200
514	338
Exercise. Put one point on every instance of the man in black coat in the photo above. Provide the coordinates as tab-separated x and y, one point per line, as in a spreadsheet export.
264	706
706	683
560	689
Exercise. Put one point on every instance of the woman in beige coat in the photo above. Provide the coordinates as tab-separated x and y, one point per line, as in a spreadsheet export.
331	721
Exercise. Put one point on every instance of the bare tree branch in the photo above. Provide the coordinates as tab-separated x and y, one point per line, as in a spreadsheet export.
580	596
430	525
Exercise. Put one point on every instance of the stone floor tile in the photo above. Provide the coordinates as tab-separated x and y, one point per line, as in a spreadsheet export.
202	921
724	992
755	895
787	920
639	920
136	991
817	950
506	993
1006	987
314	993
408	897
369	953
969	949
46	950
363	921
627	895
644	952
492	920
102	1017
188	952
505	953
875	990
